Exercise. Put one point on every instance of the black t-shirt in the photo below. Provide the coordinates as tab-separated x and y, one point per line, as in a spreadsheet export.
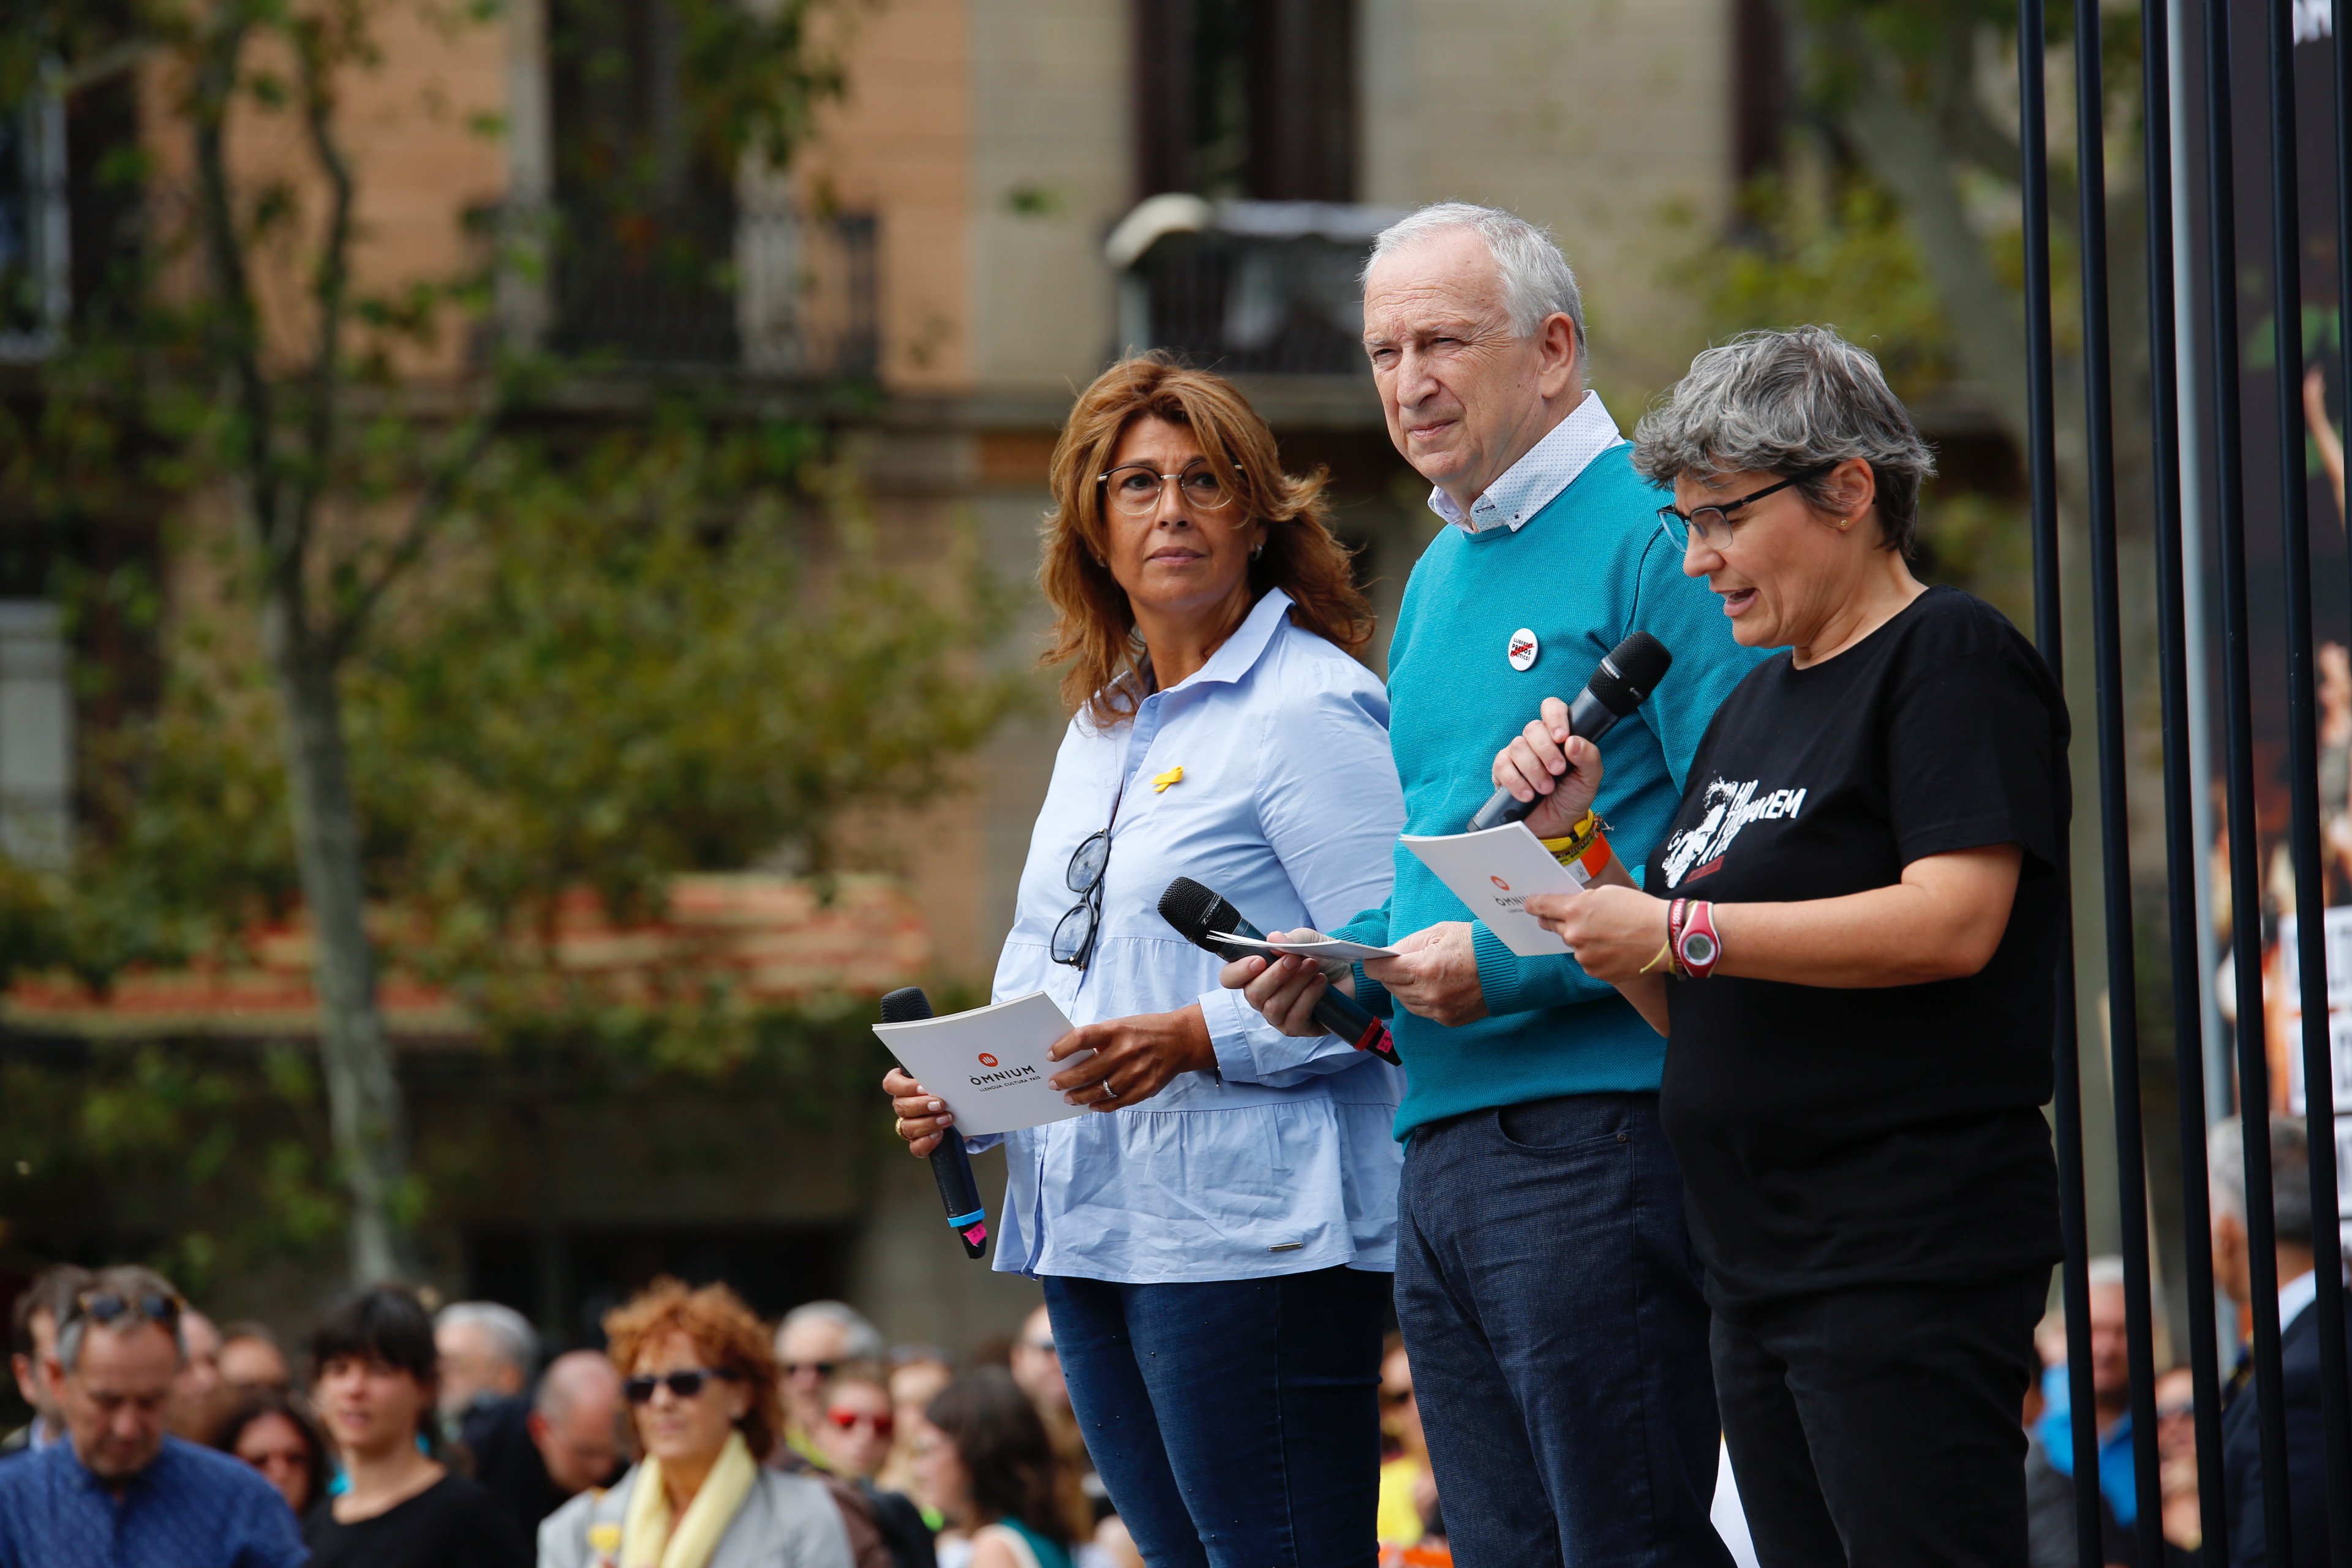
453	1524
1832	1138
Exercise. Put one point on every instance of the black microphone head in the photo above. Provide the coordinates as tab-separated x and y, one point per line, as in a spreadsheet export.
1196	910
1630	673
906	1005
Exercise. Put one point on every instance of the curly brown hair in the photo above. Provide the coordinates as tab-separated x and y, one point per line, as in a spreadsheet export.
725	1332
1094	627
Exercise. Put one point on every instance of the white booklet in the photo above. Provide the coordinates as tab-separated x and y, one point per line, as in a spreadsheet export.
1308	943
989	1064
1494	872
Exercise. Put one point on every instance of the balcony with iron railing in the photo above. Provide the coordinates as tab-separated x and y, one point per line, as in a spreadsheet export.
763	291
1248	288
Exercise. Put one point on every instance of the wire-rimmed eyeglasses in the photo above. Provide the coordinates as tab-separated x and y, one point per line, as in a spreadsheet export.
1713	524
1134	489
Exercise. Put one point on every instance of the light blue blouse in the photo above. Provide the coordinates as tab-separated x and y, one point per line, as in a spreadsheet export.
1283	1159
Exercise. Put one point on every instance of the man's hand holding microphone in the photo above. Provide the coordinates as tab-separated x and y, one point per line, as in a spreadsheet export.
1617	932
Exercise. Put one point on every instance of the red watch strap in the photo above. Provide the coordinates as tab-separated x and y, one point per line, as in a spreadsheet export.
1698	947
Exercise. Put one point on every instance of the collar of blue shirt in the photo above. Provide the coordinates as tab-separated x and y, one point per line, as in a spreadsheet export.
1550	467
1239	653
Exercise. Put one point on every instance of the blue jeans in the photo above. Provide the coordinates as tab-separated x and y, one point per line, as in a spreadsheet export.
1236	1422
1551	1304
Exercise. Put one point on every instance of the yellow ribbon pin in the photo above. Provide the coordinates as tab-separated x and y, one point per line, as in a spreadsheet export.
1159	781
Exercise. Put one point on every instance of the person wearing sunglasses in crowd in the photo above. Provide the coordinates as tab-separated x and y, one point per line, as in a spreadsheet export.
120	1489
815	1341
269	1431
1216	1245
377	1379
700	1381
855	1438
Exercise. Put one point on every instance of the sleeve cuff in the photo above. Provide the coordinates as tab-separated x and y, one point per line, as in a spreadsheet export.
1373	995
1229	1018
1499	971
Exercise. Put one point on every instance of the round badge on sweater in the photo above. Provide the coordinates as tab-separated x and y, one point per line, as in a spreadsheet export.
1523	649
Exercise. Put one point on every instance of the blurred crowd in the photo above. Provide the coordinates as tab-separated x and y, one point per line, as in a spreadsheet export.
395	1436
2051	1484
398	1436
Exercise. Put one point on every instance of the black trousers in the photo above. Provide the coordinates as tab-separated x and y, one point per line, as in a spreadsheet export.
1880	1427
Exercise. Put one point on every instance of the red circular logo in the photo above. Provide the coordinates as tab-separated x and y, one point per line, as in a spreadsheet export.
986	1060
1500	883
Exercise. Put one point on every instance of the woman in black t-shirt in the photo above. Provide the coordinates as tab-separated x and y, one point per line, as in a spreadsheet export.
377	1371
1851	937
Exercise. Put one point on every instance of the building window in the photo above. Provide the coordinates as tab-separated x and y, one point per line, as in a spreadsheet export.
1250	99
667	251
35	735
35	231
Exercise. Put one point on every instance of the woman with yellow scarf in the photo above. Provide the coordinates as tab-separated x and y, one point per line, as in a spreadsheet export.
702	1384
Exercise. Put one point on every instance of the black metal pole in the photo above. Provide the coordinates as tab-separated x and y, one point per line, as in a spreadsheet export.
2066	1103
2245	848
2303	771
2180	783
2115	824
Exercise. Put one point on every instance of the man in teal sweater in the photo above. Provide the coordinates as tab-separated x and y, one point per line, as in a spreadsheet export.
1545	1282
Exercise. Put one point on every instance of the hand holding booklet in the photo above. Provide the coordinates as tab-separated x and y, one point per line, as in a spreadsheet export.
988	1064
1495	872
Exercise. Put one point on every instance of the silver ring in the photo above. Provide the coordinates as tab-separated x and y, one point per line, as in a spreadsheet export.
1110	1091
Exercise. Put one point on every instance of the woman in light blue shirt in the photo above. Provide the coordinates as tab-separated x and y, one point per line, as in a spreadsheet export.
1215	1249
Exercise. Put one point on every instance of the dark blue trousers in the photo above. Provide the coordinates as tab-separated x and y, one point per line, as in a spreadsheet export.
1235	1423
1551	1304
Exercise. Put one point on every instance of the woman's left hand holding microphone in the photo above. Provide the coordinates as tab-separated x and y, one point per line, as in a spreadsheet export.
1134	1059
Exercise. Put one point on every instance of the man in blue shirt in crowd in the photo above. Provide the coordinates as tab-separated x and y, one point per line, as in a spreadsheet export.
118	1491
1545	1282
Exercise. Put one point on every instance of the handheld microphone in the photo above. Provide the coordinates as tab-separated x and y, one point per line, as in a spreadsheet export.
1622	682
950	1164
1200	913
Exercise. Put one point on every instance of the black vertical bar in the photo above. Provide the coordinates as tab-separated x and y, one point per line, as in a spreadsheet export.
2114	825
2066	1104
2245	848
2180	846
2303	769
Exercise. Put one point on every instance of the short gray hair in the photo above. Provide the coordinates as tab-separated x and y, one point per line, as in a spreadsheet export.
516	1341
1780	402
1538	282
2225	1163
130	1283
861	1341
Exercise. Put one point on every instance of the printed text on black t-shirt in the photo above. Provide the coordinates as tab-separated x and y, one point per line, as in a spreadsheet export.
1730	807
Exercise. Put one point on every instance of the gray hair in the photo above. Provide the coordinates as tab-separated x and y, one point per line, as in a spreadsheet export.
2105	1271
1538	282
1780	402
861	1341
2225	1164
510	1334
129	1281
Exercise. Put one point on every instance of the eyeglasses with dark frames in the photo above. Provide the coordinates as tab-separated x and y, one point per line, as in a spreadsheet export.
1074	934
1713	524
685	1382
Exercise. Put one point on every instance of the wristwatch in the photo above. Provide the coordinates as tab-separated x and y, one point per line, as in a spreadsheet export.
1697	947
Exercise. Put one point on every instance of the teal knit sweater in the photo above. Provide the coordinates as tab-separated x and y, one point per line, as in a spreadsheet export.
1581	574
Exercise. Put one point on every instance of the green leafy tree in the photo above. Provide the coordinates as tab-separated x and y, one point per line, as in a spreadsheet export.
299	422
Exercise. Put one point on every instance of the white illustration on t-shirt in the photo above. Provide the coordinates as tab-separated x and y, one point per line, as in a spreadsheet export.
1730	808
